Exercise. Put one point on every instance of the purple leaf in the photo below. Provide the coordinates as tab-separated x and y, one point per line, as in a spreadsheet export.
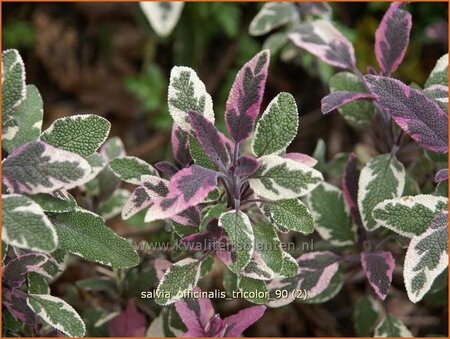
15	272
350	187
246	165
180	146
189	217
245	97
166	168
15	301
378	267
413	111
322	39
441	175
337	99
239	322
207	240
301	158
209	139
129	323
392	38
187	188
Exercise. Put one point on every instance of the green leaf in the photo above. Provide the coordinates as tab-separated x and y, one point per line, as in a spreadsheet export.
365	316
382	178
82	134
112	206
271	16
280	178
28	119
268	245
57	313
37	284
213	213
180	278
290	215
51	203
334	287
113	148
392	327
409	216
240	233
230	282
275	41
99	285
198	155
439	74
253	290
290	266
333	221
85	234
277	127
54	266
358	113
25	225
426	258
131	169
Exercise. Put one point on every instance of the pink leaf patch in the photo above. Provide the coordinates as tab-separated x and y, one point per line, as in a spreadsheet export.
239	322
378	267
392	38
337	99
245	97
301	158
441	175
130	323
187	188
350	187
15	272
413	111
161	266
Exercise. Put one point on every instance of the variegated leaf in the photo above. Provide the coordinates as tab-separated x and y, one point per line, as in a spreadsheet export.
391	327
198	154
162	16
439	94
25	225
382	178
268	245
54	203
439	74
187	93
272	15
245	97
37	167
82	134
318	9
131	169
58	314
113	148
54	266
415	113
350	187
246	165
301	158
277	126
180	278
84	233
333	288
187	188
257	268
339	98
280	178
378	267
180	145
113	206
332	219
426	258
15	272
392	38
254	290
240	234
365	316
322	39
410	215
37	284
289	268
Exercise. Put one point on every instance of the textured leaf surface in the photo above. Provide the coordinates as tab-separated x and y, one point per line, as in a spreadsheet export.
15	272
339	98
257	268
331	216
85	234
240	235
333	288
439	94
131	169
180	145
277	127
58	314
378	267
439	74
392	38
40	168
113	206
365	316
37	284
187	93
271	16
268	245
245	97
392	327
214	212
162	16
54	203
415	113
180	278
28	120
25	225
290	266
290	215
279	178
255	290
198	154
426	258
322	39
409	216
82	134
382	178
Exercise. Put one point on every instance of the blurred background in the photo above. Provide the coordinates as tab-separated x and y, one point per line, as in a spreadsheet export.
105	58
